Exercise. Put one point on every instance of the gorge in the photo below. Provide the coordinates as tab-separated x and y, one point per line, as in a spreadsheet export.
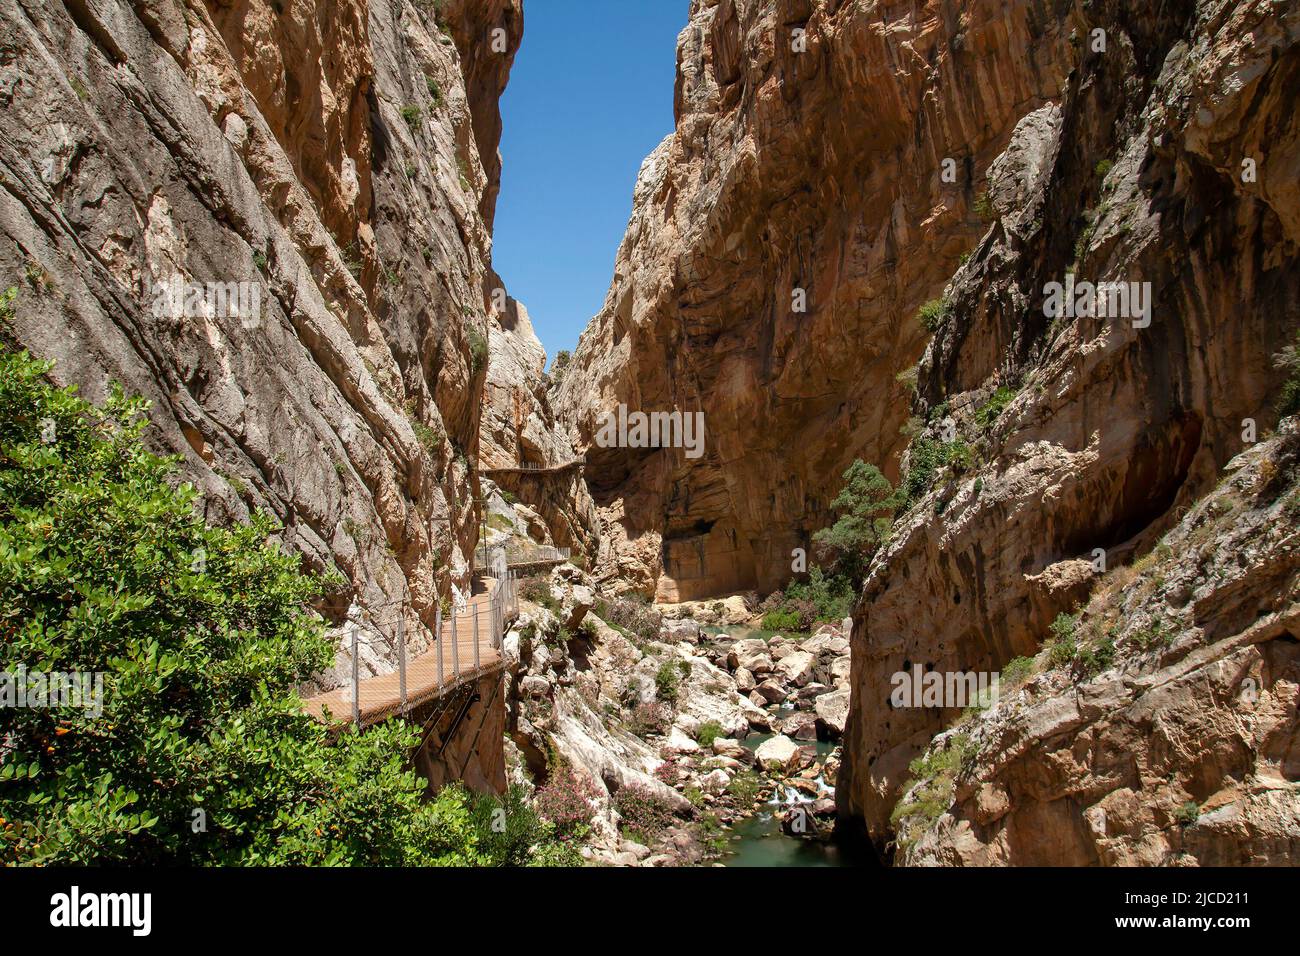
843	254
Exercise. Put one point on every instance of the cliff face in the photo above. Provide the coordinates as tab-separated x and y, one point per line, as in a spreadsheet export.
1184	750
340	159
1111	428
816	170
521	448
1115	142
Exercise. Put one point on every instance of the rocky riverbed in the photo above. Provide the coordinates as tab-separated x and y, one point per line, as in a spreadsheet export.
688	731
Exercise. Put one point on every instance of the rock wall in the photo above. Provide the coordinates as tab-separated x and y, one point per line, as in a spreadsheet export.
816	170
782	242
1110	429
473	750
340	158
1186	749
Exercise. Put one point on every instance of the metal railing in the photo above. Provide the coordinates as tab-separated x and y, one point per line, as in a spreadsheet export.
469	638
515	555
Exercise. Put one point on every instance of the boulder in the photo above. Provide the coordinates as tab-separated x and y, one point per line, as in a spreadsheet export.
745	680
683	629
800	820
575	606
770	692
534	686
729	747
800	726
715	781
796	668
778	754
832	712
678	742
745	648
840	670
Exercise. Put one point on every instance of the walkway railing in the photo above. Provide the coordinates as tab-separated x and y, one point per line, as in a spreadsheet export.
516	555
467	643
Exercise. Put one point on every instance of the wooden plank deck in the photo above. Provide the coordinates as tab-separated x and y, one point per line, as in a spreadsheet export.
380	697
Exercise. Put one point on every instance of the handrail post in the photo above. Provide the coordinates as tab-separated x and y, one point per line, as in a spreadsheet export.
455	644
401	658
356	676
437	639
476	664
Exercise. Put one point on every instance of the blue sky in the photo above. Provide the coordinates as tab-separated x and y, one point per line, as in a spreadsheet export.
590	95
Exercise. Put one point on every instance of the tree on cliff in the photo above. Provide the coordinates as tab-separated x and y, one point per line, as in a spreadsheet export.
866	505
149	715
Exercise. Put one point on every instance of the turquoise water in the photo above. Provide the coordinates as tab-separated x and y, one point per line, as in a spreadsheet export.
758	840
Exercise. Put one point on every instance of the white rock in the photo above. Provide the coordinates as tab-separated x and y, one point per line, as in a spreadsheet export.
797	668
715	781
832	712
778	753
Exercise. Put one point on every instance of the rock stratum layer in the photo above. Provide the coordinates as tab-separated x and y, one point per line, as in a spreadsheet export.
1117	141
341	158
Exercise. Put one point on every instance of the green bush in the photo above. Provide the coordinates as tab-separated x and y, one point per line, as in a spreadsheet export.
435	93
643	811
412	116
709	731
984	207
932	314
667	682
1188	813
1063	645
478	350
782	619
866	504
988	413
202	753
926	458
1016	671
1288	360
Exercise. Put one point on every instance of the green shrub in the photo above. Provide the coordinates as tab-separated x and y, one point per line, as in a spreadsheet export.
929	790
932	314
1063	645
1102	168
988	413
1188	813
1288	360
745	787
1016	671
782	619
667	682
866	504
200	635
435	93
927	457
709	731
984	207
478	350
412	115
643	811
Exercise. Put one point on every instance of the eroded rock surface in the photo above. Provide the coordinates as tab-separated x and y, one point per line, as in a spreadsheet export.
341	159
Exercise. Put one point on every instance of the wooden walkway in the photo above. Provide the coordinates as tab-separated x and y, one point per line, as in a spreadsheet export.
426	677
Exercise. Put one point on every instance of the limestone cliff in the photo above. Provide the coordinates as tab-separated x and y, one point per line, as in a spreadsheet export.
339	158
782	242
806	156
1089	437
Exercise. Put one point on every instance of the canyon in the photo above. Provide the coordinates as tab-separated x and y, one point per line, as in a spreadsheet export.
844	251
